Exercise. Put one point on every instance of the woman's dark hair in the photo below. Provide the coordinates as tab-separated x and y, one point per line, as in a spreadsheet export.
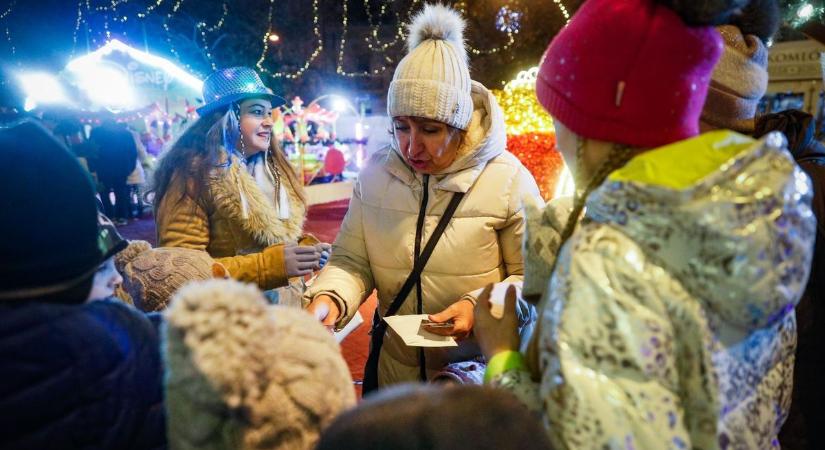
416	417
193	155
705	12
760	18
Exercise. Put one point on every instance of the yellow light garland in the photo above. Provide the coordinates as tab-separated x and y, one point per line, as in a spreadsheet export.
318	48
166	27
563	9
462	8
531	136
378	47
522	111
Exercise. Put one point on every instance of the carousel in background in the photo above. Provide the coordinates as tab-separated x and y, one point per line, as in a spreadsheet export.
326	146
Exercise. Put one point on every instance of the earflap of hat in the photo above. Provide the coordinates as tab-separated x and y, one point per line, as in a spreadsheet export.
108	238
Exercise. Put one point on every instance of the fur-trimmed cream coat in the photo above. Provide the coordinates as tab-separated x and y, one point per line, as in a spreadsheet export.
251	247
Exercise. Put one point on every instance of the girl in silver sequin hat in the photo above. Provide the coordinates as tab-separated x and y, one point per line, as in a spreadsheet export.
226	187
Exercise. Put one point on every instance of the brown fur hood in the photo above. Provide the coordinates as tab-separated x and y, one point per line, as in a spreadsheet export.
233	187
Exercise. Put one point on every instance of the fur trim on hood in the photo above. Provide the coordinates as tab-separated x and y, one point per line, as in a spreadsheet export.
233	187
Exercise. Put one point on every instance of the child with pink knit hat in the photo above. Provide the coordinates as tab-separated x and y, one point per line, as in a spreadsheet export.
667	318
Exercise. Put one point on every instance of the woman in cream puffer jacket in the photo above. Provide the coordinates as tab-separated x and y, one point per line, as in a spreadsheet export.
482	244
449	138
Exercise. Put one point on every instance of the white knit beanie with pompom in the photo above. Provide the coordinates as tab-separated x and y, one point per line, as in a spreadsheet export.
433	80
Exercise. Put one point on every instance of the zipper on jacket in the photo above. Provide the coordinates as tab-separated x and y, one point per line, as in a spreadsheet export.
419	231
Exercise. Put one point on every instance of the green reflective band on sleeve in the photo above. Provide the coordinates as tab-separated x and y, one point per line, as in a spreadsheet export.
503	362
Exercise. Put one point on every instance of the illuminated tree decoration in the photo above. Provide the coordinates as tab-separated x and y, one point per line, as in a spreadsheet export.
508	20
531	136
799	12
522	110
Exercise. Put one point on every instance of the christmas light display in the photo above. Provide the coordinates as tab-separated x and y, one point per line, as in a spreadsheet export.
799	12
531	136
508	21
4	16
522	111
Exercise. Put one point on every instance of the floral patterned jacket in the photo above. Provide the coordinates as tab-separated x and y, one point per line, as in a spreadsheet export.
668	322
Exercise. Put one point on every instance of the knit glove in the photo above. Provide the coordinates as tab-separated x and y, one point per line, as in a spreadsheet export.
301	260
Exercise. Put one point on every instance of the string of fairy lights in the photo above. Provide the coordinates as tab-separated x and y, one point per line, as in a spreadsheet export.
168	33
3	17
372	37
319	45
401	25
203	29
508	22
563	9
510	31
379	46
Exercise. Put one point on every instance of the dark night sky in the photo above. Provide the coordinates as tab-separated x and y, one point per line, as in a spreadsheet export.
41	33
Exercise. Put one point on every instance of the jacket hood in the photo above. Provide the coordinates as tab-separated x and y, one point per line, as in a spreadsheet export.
728	216
485	138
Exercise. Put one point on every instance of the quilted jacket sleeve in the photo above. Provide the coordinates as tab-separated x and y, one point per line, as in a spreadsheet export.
347	276
511	234
183	222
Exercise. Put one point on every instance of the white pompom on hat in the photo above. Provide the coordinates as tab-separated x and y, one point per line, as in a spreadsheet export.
433	80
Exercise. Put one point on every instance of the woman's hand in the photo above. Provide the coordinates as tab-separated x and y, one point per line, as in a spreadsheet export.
460	314
301	260
324	308
496	335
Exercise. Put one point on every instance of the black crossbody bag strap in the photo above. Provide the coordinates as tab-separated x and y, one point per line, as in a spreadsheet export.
379	327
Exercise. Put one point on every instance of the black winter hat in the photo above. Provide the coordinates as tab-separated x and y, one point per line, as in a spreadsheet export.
48	215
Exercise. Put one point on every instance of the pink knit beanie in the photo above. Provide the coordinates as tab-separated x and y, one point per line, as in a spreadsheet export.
630	72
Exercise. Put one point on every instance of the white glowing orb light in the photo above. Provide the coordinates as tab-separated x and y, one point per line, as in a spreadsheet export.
340	104
41	88
107	86
30	104
806	11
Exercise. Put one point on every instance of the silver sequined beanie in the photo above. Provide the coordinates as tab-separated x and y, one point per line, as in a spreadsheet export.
242	374
433	80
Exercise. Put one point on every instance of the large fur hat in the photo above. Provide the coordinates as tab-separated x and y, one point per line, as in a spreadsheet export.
242	374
